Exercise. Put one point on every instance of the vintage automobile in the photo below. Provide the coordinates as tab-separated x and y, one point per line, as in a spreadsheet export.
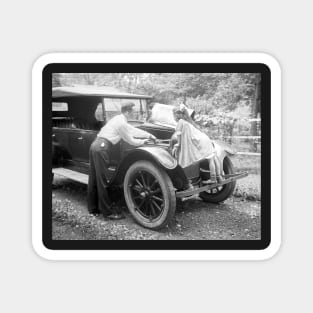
149	177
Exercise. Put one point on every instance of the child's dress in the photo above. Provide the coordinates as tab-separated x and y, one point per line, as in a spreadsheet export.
194	144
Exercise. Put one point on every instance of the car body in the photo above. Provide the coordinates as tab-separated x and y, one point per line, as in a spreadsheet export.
149	175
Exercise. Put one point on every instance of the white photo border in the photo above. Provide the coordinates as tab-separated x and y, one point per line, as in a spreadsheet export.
155	255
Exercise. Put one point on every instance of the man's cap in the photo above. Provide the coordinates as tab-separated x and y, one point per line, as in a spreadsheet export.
128	105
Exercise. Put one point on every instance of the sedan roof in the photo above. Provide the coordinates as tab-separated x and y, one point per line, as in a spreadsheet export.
106	92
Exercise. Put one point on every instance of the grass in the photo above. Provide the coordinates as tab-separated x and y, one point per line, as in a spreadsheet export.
250	186
249	163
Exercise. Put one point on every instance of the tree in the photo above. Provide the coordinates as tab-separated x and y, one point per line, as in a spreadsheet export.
56	79
206	92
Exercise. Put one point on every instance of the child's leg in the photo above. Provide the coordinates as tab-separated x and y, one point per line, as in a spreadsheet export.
219	169
217	165
221	166
212	169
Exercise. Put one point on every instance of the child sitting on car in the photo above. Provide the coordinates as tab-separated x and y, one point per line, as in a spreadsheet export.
194	145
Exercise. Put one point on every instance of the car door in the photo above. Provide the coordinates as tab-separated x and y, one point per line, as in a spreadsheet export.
79	144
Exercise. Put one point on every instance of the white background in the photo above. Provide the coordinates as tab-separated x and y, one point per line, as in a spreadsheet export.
32	28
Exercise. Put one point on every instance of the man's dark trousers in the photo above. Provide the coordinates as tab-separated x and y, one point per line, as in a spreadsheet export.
99	158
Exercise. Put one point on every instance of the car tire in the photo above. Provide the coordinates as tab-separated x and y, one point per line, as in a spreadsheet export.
149	194
220	194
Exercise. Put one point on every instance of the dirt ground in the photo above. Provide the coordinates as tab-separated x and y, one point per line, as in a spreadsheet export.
236	218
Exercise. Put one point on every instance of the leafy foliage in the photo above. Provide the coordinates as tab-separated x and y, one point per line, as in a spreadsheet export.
218	90
224	102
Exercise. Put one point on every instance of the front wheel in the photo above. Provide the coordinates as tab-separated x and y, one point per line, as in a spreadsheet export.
223	192
149	195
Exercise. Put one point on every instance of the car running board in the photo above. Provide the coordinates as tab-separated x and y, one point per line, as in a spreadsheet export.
228	179
77	176
73	175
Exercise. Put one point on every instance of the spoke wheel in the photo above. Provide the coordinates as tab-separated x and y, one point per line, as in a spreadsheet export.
223	192
149	194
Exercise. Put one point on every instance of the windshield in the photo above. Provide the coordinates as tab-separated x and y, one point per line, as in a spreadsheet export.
112	107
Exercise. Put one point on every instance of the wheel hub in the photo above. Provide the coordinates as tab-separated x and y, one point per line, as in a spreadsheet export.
145	193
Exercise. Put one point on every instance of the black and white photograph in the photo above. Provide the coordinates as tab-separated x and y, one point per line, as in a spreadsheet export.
156	156
151	156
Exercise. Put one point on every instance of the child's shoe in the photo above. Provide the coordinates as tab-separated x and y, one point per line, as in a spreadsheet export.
190	186
210	181
220	179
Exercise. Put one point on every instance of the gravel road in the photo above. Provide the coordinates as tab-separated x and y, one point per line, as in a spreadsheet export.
236	218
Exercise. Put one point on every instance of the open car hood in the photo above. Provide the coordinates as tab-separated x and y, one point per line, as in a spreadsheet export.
162	115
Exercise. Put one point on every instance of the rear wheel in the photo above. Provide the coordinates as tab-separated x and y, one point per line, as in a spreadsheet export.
149	194
223	192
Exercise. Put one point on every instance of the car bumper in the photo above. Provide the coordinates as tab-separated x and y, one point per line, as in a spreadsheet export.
228	179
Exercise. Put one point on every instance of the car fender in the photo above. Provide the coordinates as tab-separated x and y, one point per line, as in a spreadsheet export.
223	149
157	155
161	155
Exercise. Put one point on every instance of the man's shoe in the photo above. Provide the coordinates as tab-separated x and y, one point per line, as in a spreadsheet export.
115	216
93	211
